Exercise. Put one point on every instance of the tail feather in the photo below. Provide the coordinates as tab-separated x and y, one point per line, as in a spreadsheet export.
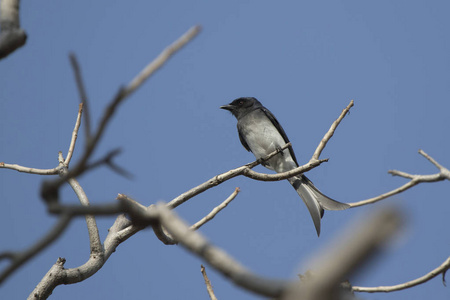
314	199
325	201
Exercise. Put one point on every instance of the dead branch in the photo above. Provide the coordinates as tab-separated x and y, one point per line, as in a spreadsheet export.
215	211
83	95
385	289
62	164
443	174
208	284
349	252
49	189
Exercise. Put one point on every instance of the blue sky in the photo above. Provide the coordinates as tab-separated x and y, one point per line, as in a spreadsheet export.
303	60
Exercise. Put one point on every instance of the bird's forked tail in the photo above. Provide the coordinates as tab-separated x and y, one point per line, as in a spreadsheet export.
314	199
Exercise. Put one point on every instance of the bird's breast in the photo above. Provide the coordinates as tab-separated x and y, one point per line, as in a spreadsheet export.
263	138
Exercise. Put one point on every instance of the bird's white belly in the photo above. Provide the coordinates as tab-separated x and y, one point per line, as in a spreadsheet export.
265	141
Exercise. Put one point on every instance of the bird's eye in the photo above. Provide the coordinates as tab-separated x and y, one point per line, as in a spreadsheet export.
241	103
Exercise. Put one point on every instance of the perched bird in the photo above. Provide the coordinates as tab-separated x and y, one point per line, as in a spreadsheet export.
261	133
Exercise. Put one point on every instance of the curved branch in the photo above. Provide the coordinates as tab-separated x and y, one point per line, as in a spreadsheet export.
29	170
216	257
284	175
49	189
19	258
94	236
246	169
443	174
385	289
62	163
349	252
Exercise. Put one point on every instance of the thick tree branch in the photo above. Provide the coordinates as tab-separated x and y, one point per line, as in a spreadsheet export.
216	257
349	252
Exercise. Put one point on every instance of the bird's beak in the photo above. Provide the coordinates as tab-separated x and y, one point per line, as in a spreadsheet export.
227	107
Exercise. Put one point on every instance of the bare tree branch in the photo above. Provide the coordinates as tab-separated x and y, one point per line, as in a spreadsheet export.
284	175
58	275
19	258
83	94
49	188
331	131
246	170
63	163
170	229
216	257
12	36
122	228
45	287
29	170
443	174
208	284
108	160
350	250
151	68
94	236
74	136
215	211
385	289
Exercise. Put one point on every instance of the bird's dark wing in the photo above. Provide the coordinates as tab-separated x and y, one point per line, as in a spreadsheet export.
243	142
280	130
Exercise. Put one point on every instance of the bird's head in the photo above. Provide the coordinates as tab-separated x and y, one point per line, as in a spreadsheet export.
242	106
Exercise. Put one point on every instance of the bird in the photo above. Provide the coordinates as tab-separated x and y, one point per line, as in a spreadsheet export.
261	133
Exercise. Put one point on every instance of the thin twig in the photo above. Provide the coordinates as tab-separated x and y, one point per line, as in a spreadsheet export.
83	94
385	289
215	211
209	287
149	70
443	174
29	170
122	94
74	136
331	131
157	63
62	163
